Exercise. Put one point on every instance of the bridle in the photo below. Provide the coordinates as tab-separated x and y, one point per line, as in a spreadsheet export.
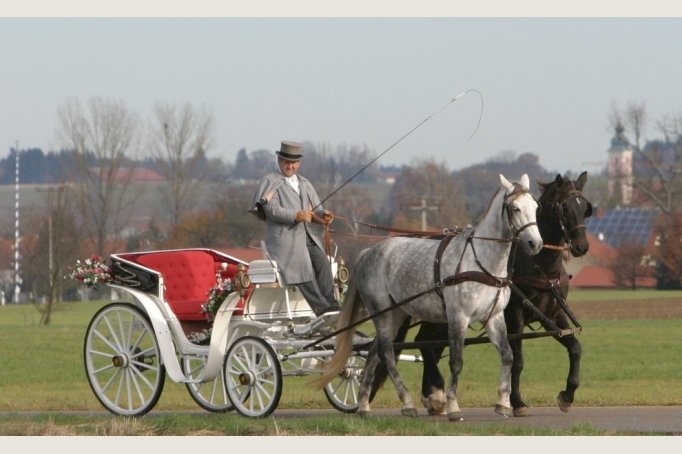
559	209
508	209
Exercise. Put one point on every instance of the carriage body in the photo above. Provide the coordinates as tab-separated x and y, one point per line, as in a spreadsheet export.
157	318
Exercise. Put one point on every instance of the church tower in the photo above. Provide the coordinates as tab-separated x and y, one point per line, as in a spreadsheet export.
619	168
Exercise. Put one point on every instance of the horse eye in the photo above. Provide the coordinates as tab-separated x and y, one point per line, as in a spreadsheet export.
517	209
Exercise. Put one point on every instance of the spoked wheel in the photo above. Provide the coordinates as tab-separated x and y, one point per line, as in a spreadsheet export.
212	395
342	391
123	361
253	377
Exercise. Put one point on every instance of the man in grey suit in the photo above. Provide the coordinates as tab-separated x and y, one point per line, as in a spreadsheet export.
285	201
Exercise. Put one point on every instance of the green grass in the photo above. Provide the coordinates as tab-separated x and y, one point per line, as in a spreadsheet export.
625	362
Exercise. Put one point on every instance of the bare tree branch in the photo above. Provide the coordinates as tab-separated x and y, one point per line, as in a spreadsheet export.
179	139
101	135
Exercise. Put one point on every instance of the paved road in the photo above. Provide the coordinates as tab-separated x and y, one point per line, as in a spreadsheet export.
636	420
653	420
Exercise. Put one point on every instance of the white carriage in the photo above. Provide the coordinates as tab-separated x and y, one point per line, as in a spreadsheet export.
262	332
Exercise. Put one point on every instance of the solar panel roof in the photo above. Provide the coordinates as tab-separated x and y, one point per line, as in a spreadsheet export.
624	226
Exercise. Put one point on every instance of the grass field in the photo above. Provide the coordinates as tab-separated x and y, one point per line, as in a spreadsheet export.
631	356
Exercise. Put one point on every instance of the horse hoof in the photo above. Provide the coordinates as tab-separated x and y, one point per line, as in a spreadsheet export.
521	411
434	407
411	412
364	414
455	417
564	404
502	410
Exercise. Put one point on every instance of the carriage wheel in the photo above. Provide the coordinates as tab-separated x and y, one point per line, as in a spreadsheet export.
123	361
253	377
212	395
342	391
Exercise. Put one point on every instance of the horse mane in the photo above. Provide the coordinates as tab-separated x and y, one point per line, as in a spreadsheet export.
490	203
546	187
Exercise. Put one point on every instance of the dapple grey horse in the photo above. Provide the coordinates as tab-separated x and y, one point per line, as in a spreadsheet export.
461	279
541	280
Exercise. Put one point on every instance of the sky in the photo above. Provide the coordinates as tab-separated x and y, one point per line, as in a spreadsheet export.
542	85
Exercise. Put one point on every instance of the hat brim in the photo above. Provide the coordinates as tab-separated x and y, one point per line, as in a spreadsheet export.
289	157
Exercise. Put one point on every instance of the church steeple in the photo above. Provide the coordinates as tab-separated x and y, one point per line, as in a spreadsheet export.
619	141
620	167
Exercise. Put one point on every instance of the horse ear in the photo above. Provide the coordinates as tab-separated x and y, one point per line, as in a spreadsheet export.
558	180
580	182
525	181
505	183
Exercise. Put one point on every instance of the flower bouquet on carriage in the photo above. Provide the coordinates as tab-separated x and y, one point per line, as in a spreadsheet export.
91	272
216	296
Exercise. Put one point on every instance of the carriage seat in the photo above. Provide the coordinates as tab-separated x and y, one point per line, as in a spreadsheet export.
264	272
187	276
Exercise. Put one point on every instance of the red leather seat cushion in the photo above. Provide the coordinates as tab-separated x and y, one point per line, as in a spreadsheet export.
188	276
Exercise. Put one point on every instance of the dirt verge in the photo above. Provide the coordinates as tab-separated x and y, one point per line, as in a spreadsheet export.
665	308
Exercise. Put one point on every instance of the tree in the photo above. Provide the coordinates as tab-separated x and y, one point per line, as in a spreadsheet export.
628	266
101	135
227	223
51	247
481	180
179	139
669	253
431	183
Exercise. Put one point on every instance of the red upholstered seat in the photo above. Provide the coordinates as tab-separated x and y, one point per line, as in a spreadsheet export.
188	276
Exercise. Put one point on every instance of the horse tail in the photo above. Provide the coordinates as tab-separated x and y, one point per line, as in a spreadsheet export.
350	313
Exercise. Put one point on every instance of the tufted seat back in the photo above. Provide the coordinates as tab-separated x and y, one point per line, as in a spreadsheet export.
188	276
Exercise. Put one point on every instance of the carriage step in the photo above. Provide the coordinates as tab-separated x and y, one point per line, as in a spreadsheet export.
323	322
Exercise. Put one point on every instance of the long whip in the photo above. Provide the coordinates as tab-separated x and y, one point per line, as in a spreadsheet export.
404	136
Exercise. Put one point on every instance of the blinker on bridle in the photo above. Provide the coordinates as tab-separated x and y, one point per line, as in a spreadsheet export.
509	210
559	208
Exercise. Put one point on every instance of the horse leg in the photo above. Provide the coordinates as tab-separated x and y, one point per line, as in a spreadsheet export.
456	335
433	384
366	380
513	315
519	406
381	374
497	332
387	356
565	398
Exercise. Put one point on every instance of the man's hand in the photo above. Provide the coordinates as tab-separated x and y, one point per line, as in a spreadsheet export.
327	216
304	216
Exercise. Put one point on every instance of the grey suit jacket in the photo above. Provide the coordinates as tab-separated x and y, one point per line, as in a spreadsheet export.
285	239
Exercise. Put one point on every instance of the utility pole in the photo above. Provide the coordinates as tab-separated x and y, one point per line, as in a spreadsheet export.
424	208
17	277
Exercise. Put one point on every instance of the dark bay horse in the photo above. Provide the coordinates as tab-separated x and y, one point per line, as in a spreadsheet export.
461	279
543	280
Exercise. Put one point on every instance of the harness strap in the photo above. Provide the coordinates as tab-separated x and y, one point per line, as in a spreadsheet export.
547	285
534	308
477	276
436	266
537	283
455	279
562	302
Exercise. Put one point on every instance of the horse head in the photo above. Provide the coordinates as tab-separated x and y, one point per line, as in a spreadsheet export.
568	209
520	209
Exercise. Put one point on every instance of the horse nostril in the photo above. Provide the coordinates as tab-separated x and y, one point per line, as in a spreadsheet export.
580	249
